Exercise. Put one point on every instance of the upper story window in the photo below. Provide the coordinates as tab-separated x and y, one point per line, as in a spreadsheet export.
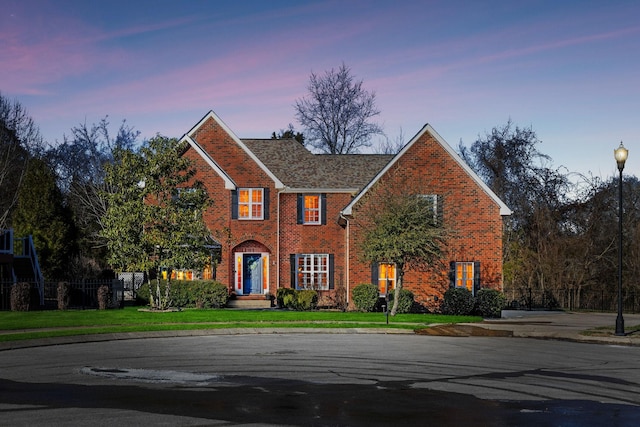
250	203
312	209
435	208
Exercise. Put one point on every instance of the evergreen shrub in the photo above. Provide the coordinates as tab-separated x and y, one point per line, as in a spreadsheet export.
458	301
365	297
490	302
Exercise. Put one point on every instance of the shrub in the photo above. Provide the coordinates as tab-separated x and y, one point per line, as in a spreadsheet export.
20	296
286	297
306	299
405	301
103	297
142	295
365	297
208	294
187	293
63	295
458	301
490	302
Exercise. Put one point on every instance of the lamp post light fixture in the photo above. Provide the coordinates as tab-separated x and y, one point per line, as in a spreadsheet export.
620	154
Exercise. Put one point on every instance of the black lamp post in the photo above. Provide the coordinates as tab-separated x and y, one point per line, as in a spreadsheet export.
620	154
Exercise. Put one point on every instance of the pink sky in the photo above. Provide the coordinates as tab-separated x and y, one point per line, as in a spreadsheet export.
569	69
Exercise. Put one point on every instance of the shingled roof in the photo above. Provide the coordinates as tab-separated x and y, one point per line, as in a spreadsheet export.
298	168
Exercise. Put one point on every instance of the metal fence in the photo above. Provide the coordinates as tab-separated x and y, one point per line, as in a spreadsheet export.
572	299
83	295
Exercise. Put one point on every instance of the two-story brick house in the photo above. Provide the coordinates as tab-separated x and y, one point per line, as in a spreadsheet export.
285	217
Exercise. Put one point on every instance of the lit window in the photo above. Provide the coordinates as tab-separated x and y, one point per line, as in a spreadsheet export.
312	271
312	209
386	277
464	277
250	203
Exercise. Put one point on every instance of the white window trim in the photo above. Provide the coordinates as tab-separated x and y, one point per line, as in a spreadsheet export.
250	204
312	271
305	210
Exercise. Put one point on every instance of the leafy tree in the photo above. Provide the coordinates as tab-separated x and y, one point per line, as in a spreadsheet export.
154	212
404	231
41	212
80	163
289	133
337	113
19	140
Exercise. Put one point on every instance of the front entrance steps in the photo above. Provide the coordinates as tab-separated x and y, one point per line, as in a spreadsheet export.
249	302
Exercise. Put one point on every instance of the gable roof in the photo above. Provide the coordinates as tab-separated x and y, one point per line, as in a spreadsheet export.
299	169
504	209
212	116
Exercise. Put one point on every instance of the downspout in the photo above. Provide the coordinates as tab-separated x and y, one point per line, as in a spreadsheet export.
278	243
347	251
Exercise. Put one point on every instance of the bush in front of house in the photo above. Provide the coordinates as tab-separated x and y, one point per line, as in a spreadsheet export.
405	301
302	300
490	302
365	297
286	297
209	294
306	299
458	301
20	296
188	293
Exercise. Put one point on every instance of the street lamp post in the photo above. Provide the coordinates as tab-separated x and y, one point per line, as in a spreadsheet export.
620	154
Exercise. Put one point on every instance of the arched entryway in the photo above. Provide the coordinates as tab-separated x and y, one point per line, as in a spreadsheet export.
251	268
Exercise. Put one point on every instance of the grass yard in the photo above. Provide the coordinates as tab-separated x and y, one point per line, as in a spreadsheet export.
39	324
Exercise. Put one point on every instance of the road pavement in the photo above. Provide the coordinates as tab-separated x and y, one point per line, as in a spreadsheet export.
346	377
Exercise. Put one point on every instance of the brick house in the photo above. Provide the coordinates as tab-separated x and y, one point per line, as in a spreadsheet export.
285	217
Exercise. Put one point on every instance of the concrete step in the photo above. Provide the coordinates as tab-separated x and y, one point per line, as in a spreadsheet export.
249	303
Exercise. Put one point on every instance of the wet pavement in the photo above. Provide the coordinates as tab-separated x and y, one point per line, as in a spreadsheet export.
485	374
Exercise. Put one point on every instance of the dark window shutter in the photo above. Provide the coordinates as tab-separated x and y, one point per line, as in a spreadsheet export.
452	274
476	277
234	204
265	204
292	260
300	208
375	272
323	209
332	271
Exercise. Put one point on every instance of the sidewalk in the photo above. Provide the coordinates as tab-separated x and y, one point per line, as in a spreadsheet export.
568	326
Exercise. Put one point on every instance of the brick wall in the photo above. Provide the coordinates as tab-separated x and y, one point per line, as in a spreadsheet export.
472	216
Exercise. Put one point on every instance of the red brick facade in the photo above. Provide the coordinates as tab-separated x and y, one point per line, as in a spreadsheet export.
225	164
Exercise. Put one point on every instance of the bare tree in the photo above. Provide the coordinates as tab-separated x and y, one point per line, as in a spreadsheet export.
80	160
19	140
337	113
391	146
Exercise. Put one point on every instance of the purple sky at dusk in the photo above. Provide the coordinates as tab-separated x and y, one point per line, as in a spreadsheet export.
570	69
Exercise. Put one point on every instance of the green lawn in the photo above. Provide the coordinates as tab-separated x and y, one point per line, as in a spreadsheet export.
37	324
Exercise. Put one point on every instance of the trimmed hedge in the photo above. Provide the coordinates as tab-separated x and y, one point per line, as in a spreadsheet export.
365	297
302	300
189	294
490	302
20	296
458	301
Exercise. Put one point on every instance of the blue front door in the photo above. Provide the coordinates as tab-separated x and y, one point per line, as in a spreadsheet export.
252	274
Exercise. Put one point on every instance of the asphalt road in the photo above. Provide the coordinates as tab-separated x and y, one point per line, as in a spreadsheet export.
322	379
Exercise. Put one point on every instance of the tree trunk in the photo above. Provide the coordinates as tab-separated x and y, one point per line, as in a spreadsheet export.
396	292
